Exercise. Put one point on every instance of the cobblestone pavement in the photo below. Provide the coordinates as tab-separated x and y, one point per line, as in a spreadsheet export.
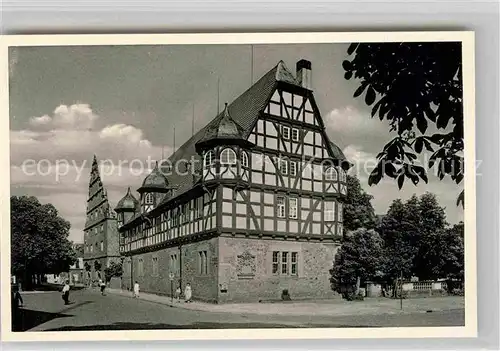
91	311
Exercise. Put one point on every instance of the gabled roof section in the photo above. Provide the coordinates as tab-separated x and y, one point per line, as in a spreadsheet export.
284	75
244	111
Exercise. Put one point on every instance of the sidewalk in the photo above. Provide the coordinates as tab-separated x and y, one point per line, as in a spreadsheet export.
369	306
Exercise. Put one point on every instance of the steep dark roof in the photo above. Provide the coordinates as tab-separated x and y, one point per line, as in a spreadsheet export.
337	152
155	180
244	111
226	128
128	202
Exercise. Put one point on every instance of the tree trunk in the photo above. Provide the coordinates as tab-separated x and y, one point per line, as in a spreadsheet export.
394	288
358	284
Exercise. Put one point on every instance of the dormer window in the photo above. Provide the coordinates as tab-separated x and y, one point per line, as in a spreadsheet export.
209	159
148	200
228	157
244	159
331	174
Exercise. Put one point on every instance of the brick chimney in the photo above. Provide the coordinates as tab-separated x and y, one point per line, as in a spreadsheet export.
304	73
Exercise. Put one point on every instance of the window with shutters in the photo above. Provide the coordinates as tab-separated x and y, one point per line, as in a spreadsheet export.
283	166
280	207
285	132
292	208
293	168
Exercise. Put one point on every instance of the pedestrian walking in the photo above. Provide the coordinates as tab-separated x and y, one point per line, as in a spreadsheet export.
65	292
102	285
178	294
188	293
16	302
136	289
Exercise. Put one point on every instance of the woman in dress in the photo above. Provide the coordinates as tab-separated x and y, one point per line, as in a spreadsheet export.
188	292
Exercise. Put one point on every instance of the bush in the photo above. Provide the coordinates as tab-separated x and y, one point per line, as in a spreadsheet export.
457	292
352	296
114	270
398	294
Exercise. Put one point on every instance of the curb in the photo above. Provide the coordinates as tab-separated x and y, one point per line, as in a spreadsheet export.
185	306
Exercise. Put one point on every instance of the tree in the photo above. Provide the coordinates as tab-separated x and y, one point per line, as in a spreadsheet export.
114	270
399	231
427	264
358	210
412	86
453	260
39	239
359	259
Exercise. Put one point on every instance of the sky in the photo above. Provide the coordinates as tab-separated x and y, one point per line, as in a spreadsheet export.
122	103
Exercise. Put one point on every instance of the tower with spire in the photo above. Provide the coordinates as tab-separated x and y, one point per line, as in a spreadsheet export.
101	244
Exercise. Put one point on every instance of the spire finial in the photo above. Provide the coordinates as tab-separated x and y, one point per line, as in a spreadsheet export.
218	94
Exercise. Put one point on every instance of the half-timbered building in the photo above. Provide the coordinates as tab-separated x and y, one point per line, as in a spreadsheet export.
248	207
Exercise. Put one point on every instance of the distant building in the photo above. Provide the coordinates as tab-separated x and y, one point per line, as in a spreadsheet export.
76	276
259	215
100	244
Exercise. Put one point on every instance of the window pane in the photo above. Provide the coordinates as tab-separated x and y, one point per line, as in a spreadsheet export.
284	261
286	133
293	208
228	156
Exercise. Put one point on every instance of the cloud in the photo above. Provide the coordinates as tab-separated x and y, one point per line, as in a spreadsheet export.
40	121
51	159
72	133
348	125
123	133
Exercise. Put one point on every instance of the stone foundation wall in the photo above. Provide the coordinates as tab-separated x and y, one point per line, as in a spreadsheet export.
246	270
184	262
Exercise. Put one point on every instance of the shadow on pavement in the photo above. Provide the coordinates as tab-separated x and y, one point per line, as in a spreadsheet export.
161	326
27	319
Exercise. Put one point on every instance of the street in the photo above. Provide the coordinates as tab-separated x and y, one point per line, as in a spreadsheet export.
45	311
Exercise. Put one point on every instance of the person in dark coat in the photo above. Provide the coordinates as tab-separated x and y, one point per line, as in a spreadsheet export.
16	302
65	293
